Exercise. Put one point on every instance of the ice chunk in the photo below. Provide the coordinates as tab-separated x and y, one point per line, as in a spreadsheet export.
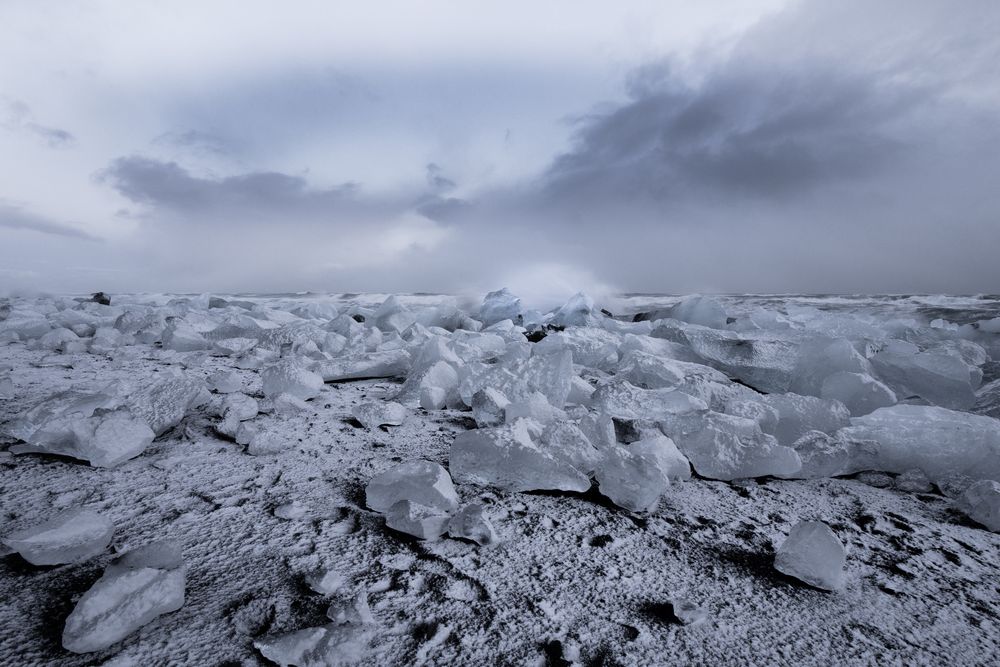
567	442
937	377
289	377
104	440
263	443
376	413
57	339
233	347
6	389
987	399
940	442
634	477
123	600
534	406
225	382
420	521
981	502
624	400
500	305
422	482
819	358
471	523
550	374
913	481
813	554
580	391
323	646
860	393
387	363
182	337
727	447
508	457
68	537
798	415
822	455
591	347
441	376
240	407
702	310
576	312
105	340
165	403
392	316
488	407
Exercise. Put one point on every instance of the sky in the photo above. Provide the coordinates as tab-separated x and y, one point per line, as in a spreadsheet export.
442	146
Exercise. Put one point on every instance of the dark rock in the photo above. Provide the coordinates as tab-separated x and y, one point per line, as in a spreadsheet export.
101	298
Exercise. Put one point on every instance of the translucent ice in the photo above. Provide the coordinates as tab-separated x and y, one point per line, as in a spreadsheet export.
420	521
163	404
981	502
721	446
550	374
500	305
703	310
225	382
508	457
940	378
104	440
471	523
939	441
813	554
822	455
68	537
798	415
373	414
422	482
289	377
860	393
123	600
626	401
635	476
323	646
534	406
387	363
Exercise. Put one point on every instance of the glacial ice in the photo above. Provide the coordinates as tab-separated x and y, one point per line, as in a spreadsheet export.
373	414
498	306
626	401
289	377
508	457
105	440
420	521
127	596
981	502
813	554
636	475
940	442
797	415
382	364
939	378
323	646
471	523
859	392
421	482
68	537
551	374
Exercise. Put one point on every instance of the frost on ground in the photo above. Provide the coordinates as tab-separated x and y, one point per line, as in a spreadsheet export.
415	480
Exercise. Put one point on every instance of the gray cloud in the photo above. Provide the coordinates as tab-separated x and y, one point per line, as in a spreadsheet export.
15	115
15	217
199	142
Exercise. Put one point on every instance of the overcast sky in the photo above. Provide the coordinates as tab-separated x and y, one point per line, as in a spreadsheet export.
661	146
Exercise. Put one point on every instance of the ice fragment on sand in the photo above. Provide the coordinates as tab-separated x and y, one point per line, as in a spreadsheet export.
351	612
123	600
488	407
68	537
104	441
635	476
813	554
420	521
376	413
386	363
981	502
913	481
422	482
471	523
289	377
324	646
165	403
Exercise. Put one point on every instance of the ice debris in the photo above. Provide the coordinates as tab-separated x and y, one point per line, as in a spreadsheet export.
981	502
420	482
813	554
416	519
636	475
290	377
373	414
323	646
68	537
471	523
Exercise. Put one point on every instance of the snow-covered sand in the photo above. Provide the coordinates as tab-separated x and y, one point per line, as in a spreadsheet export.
270	541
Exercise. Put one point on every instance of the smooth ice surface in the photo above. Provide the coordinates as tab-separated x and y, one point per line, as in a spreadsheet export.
797	415
104	440
981	502
422	482
859	392
940	442
383	364
508	457
636	475
376	413
626	401
288	377
420	521
813	554
68	537
721	446
122	601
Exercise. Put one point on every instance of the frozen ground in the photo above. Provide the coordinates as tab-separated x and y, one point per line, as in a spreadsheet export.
572	579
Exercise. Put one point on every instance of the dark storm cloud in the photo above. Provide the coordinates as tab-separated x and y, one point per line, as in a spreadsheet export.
744	131
15	217
168	187
16	115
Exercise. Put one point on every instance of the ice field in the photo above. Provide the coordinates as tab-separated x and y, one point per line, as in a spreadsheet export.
373	479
